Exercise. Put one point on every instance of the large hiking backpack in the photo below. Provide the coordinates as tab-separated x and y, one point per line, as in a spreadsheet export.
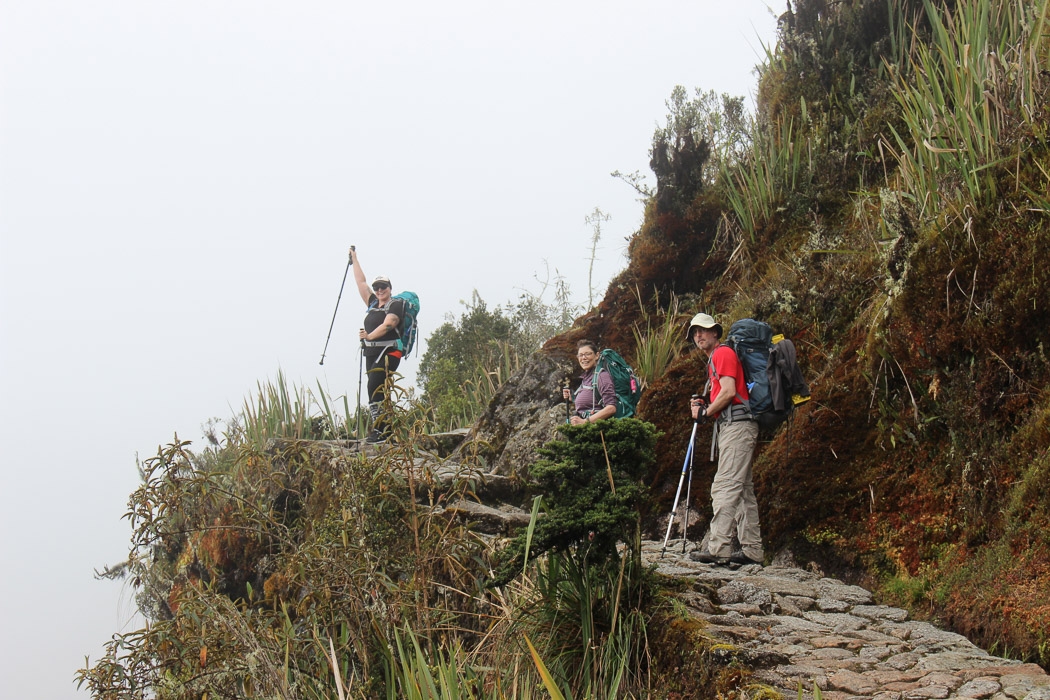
774	380
409	329
628	386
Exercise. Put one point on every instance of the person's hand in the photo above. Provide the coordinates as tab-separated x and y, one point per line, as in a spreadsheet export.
565	394
362	334
697	408
576	420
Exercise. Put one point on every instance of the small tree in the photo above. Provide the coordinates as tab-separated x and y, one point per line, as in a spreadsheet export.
536	320
595	220
701	134
592	490
469	358
460	354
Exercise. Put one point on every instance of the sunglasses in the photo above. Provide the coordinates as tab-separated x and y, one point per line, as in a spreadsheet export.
380	285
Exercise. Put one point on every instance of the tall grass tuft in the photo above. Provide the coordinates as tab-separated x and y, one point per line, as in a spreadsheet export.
282	411
593	638
491	377
961	94
276	412
780	161
659	343
489	374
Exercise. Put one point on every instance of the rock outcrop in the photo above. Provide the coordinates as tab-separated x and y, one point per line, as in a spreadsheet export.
487	503
521	417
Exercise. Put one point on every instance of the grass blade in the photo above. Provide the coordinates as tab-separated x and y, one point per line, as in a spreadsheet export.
541	668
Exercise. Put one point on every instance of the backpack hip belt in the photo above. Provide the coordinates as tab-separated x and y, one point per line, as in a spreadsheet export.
380	343
737	411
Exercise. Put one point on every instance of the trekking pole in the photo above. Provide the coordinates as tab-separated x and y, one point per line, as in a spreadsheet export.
681	480
568	403
688	493
345	272
360	371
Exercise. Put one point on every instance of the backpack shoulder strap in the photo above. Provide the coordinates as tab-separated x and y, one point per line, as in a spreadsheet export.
600	363
401	316
714	373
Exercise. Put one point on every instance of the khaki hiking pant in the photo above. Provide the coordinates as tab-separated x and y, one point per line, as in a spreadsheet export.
733	493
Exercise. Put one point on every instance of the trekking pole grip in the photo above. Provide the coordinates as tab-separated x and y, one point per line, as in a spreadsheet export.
702	406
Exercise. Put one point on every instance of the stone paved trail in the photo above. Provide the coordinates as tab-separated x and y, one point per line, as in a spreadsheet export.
795	626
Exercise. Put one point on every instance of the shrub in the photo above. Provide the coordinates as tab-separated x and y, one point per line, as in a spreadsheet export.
592	491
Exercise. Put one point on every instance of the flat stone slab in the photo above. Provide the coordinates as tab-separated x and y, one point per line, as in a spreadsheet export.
882	677
744	592
937	692
903	661
954	661
880	612
783	586
835	642
872	637
733	632
853	683
854	595
488	519
797	623
839	622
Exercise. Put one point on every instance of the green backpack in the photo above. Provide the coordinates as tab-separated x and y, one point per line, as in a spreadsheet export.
625	381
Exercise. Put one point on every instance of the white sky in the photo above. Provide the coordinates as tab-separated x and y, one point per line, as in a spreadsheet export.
179	184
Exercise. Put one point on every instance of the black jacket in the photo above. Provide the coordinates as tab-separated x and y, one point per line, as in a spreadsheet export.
785	377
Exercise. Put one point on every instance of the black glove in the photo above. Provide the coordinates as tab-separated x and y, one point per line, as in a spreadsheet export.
698	401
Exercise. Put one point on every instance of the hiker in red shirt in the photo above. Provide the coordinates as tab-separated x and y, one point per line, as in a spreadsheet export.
735	436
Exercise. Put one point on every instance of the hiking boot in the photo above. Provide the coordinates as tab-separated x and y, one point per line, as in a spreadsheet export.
742	559
376	437
705	557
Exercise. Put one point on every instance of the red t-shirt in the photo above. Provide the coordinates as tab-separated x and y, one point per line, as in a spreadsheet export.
725	363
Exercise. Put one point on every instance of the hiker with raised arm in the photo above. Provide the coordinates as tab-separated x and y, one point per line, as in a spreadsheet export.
379	343
594	399
735	437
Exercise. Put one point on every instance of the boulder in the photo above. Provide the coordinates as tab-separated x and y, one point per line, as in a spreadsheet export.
523	416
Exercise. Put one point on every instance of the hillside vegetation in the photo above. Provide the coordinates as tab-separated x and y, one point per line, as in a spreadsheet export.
889	210
887	207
